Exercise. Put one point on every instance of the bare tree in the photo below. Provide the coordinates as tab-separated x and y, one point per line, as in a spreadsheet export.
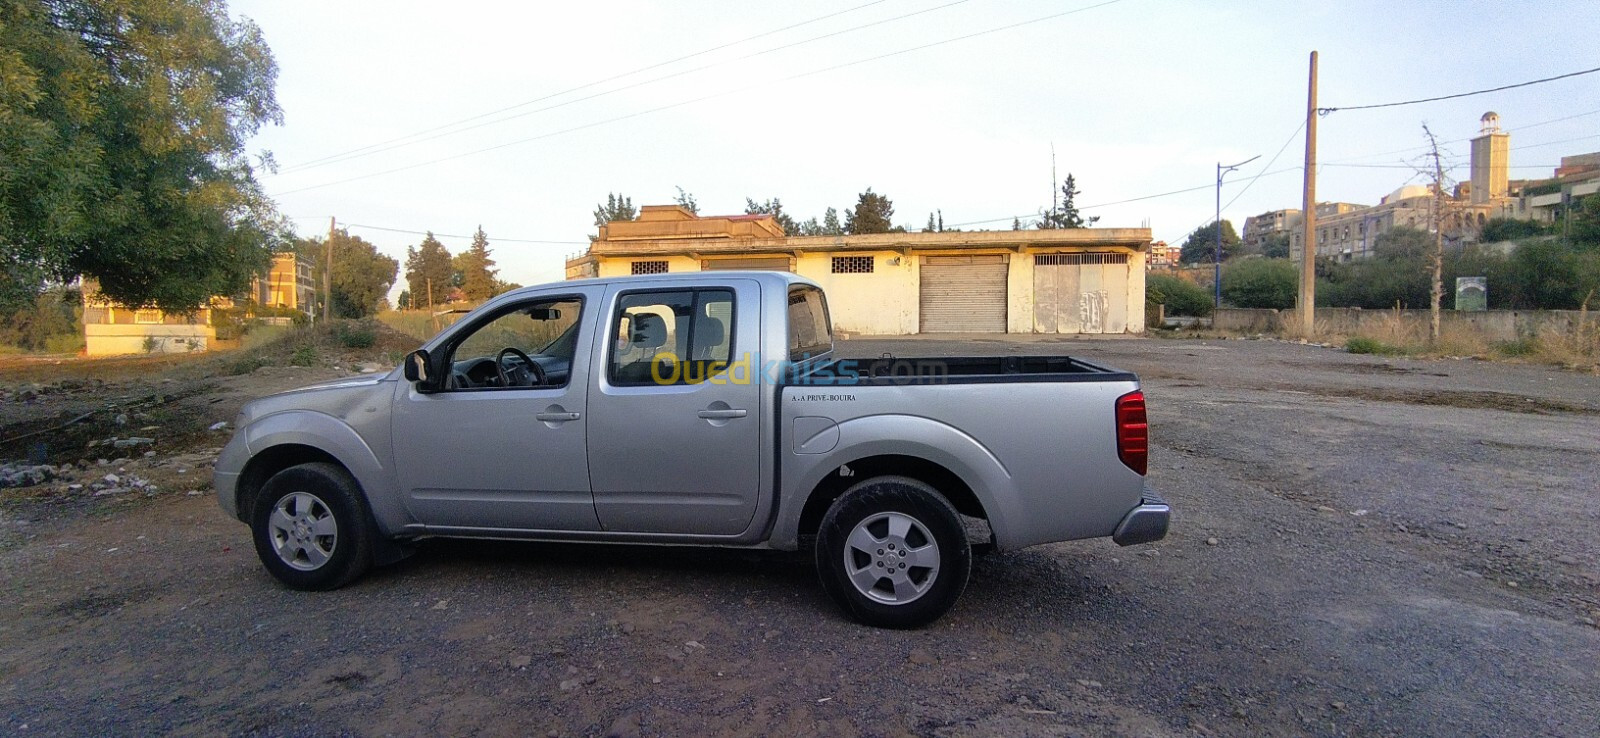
1436	293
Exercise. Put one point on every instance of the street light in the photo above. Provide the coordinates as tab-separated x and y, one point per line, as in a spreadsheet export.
1217	272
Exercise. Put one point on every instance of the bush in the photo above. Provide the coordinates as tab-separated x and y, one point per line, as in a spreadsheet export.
356	335
1181	296
1260	283
1364	345
1518	348
304	355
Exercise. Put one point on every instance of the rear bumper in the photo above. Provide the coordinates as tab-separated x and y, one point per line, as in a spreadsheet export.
1145	523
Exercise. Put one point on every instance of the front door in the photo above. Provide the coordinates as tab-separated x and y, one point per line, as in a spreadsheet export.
674	432
502	447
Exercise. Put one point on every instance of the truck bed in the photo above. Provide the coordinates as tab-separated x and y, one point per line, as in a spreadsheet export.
958	370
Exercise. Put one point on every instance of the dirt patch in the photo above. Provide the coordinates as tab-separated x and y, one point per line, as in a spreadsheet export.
1454	398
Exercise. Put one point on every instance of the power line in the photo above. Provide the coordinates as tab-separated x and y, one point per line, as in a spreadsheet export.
587	85
443	235
1460	140
1325	111
1196	188
1266	166
682	103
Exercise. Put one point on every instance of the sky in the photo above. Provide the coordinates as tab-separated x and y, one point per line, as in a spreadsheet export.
522	116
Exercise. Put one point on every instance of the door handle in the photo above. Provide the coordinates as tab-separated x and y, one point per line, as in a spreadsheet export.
722	414
556	417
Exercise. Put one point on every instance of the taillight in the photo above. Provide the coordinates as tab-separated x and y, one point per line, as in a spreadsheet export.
1133	432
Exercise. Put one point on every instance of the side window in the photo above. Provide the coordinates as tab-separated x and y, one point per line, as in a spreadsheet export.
671	337
809	332
497	353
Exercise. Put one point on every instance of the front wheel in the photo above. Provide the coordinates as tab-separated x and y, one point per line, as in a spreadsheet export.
892	553
310	527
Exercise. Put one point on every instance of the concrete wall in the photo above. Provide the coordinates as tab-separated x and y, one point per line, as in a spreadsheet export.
884	302
1494	325
125	338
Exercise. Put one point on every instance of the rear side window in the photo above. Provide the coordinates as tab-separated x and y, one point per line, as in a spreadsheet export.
671	337
809	332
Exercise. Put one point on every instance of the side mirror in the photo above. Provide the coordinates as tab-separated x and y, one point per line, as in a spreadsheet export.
418	368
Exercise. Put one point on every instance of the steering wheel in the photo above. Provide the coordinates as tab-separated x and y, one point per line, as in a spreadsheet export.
530	366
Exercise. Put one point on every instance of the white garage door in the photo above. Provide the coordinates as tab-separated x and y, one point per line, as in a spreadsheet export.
1080	293
963	294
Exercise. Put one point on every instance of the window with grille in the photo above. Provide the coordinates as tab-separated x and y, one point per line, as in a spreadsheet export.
1079	259
852	265
650	267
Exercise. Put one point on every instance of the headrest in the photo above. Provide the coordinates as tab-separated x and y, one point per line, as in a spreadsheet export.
647	331
709	332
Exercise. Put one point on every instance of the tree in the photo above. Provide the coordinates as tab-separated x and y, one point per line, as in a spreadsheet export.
123	153
810	227
404	301
1016	224
1201	245
616	207
1260	283
1181	296
1065	215
1583	227
428	270
476	269
933	225
871	214
1276	246
687	202
773	208
361	275
830	223
1507	229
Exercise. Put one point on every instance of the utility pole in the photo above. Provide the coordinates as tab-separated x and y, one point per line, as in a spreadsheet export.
1436	293
1217	262
430	306
1308	217
327	274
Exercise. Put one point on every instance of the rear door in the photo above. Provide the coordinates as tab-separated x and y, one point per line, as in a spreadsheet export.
674	431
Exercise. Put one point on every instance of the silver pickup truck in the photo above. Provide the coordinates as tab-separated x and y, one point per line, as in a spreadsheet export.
701	409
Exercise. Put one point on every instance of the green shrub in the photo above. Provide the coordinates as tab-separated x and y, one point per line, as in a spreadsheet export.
304	355
1181	296
1364	345
245	364
356	335
1518	348
1260	283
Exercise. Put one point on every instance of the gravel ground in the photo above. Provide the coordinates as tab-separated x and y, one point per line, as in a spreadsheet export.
1361	546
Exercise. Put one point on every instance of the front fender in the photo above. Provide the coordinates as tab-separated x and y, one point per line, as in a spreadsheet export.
334	437
903	435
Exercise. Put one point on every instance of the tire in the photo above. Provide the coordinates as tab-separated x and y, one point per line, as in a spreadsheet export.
311	527
924	560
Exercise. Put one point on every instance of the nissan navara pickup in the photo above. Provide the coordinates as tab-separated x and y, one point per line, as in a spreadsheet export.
704	409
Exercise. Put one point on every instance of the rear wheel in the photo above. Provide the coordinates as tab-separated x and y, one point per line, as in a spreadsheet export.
310	527
892	553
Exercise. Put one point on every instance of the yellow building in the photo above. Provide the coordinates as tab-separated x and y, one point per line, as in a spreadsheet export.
109	329
1085	280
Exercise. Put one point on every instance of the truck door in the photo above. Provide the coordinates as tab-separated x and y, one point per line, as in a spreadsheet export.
502	447
674	430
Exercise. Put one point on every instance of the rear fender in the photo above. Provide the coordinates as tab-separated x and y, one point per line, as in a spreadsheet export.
902	435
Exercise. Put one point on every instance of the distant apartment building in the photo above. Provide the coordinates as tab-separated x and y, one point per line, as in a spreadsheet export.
1549	201
1258	229
291	284
109	329
1162	255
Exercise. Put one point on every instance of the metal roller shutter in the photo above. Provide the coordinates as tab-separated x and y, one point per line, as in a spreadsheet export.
963	294
772	263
